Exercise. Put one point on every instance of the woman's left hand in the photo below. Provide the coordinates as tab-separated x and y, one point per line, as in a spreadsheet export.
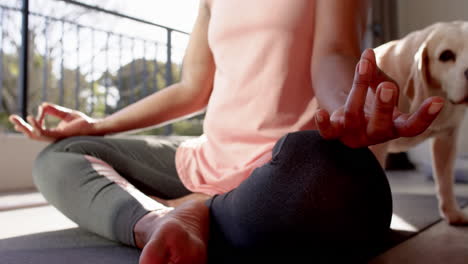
370	116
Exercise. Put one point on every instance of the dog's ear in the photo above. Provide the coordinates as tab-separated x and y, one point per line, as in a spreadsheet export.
416	87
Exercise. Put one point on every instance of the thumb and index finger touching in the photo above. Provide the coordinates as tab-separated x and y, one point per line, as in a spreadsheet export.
53	110
44	110
32	127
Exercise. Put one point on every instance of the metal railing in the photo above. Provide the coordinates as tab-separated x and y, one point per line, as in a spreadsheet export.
81	66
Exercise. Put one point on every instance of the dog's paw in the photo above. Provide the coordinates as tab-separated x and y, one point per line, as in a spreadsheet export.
455	217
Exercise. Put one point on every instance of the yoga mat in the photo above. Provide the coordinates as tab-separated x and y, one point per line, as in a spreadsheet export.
76	246
70	246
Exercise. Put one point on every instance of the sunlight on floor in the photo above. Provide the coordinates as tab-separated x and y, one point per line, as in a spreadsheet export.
29	221
399	223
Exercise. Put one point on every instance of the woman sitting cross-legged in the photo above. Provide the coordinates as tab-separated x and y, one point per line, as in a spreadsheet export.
272	176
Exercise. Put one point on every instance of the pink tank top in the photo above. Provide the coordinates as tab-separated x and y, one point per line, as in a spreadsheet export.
262	90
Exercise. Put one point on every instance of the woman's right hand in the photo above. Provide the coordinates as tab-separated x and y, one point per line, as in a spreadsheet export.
73	123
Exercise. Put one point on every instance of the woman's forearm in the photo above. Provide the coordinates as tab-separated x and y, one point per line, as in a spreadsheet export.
332	79
170	103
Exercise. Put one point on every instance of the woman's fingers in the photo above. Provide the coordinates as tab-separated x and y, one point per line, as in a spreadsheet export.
53	110
31	129
40	115
410	125
21	125
46	134
380	127
24	127
24	130
378	76
354	114
330	127
39	132
380	121
325	127
18	121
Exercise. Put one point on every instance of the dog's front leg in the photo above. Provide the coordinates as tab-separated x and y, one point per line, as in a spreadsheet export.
444	152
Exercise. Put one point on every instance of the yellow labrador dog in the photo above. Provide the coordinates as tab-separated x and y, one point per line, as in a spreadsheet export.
432	62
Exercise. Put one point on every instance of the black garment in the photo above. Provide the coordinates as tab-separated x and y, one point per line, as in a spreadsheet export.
315	199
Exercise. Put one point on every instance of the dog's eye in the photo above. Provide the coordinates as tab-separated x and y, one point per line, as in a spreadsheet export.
447	55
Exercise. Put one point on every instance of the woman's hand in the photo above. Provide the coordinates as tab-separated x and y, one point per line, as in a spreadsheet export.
371	117
73	123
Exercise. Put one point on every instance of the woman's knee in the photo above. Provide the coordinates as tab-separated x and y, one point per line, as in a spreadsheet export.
310	187
59	146
302	147
47	158
55	164
315	162
333	176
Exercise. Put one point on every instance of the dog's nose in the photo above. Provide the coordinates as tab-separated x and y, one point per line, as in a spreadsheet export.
466	74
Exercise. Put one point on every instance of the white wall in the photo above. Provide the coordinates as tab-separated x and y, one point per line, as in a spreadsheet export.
417	14
17	154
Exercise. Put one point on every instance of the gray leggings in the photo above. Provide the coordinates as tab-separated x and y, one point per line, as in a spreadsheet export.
315	197
69	182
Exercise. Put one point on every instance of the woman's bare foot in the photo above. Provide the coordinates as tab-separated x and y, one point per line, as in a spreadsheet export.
178	237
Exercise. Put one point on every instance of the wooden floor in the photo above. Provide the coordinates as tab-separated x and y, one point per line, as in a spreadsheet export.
439	244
